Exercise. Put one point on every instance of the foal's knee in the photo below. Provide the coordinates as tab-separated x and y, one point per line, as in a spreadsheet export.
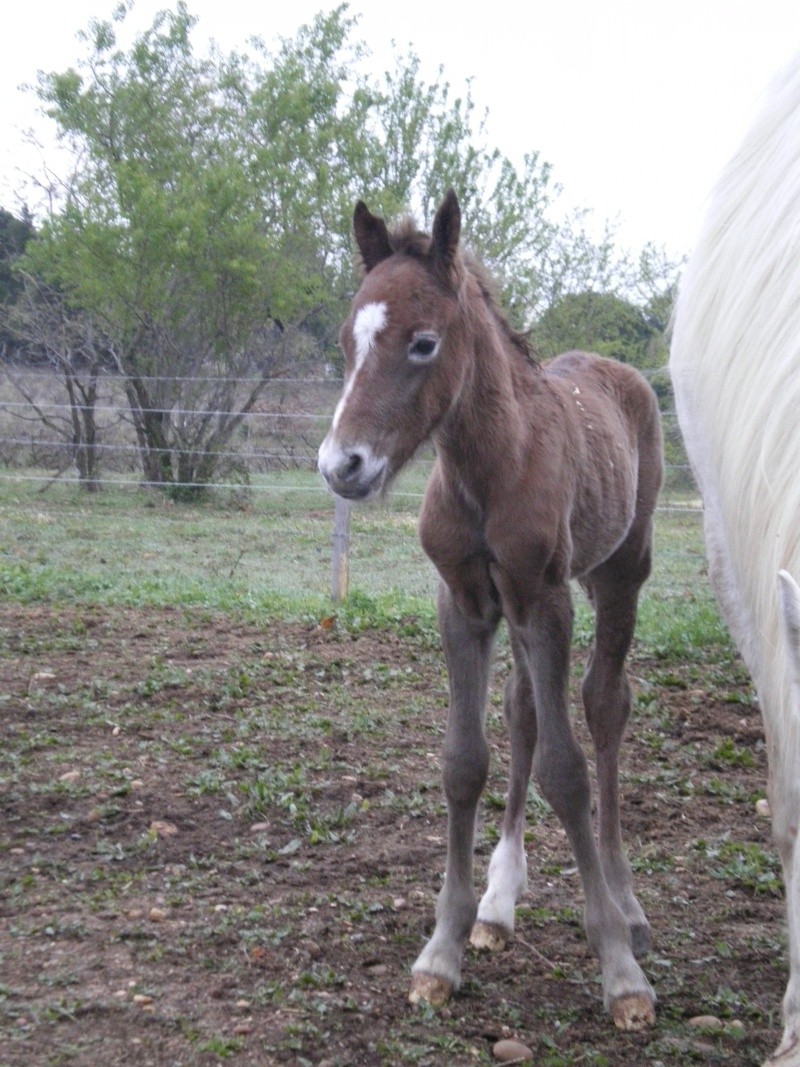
607	701
563	779
464	773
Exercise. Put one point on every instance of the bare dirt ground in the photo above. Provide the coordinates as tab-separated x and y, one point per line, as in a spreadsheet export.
221	842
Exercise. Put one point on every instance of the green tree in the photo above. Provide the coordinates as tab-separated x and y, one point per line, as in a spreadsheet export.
205	230
191	228
424	139
597	322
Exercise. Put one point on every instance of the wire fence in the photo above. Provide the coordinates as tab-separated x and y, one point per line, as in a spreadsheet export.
282	432
271	455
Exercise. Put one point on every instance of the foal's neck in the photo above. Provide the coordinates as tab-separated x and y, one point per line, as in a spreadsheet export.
485	431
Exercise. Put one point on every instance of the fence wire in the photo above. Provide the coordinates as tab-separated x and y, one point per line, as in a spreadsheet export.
271	460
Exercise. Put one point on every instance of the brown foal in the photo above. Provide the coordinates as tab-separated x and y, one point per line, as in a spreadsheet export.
542	474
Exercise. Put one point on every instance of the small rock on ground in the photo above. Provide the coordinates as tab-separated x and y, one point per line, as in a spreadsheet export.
508	1051
706	1022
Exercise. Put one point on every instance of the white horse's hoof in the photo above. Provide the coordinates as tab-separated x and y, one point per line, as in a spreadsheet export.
634	1012
787	1054
489	937
429	989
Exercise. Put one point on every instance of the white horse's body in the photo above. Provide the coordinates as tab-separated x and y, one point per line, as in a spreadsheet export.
735	365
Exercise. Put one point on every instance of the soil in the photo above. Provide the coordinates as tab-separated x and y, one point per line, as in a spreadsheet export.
222	843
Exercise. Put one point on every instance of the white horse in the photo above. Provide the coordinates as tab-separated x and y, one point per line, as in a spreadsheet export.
735	365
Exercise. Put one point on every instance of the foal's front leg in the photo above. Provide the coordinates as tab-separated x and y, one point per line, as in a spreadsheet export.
468	650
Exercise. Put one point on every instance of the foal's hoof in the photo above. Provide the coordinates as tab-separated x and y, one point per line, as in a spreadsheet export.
429	989
635	1011
489	937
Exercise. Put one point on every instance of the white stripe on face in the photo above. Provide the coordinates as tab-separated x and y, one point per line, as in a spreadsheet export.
370	320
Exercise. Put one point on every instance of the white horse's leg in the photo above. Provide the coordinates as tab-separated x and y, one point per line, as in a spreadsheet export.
788	1052
784	798
468	650
507	877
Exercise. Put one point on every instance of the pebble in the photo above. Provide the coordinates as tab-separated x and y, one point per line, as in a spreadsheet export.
70	776
259	827
156	915
163	829
706	1022
508	1051
762	808
39	679
142	1000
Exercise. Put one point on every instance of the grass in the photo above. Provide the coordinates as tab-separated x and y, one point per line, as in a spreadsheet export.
268	555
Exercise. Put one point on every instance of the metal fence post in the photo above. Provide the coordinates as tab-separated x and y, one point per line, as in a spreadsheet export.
341	549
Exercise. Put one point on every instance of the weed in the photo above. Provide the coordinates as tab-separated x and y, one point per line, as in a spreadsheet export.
745	864
221	1046
728	753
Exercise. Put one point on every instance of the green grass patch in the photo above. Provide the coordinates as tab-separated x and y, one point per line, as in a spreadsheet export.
269	556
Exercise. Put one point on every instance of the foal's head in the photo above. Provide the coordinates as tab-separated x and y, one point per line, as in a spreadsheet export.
402	366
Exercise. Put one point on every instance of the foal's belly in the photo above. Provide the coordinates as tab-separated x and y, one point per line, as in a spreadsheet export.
603	514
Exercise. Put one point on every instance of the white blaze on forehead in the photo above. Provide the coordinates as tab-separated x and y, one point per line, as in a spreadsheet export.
369	322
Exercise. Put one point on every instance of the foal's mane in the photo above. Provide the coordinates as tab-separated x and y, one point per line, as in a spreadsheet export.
407	240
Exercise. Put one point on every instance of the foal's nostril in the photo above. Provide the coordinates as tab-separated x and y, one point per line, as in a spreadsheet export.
352	468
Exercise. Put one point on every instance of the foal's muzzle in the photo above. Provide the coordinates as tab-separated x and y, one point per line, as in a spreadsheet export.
353	472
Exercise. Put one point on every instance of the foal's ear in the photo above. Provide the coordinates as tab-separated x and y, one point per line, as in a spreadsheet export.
446	232
371	236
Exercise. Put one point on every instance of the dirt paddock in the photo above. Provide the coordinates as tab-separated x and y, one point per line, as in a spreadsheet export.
222	843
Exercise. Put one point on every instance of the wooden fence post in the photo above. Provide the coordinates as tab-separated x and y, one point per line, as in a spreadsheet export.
341	549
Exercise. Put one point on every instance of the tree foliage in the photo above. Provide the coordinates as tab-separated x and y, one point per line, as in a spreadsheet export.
185	229
597	322
205	229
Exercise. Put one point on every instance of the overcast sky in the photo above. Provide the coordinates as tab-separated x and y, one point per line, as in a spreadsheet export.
637	104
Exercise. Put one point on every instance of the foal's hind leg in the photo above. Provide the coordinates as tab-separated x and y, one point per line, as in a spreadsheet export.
613	589
508	868
560	768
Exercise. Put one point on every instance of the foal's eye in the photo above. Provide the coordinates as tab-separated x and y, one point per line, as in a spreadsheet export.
423	347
